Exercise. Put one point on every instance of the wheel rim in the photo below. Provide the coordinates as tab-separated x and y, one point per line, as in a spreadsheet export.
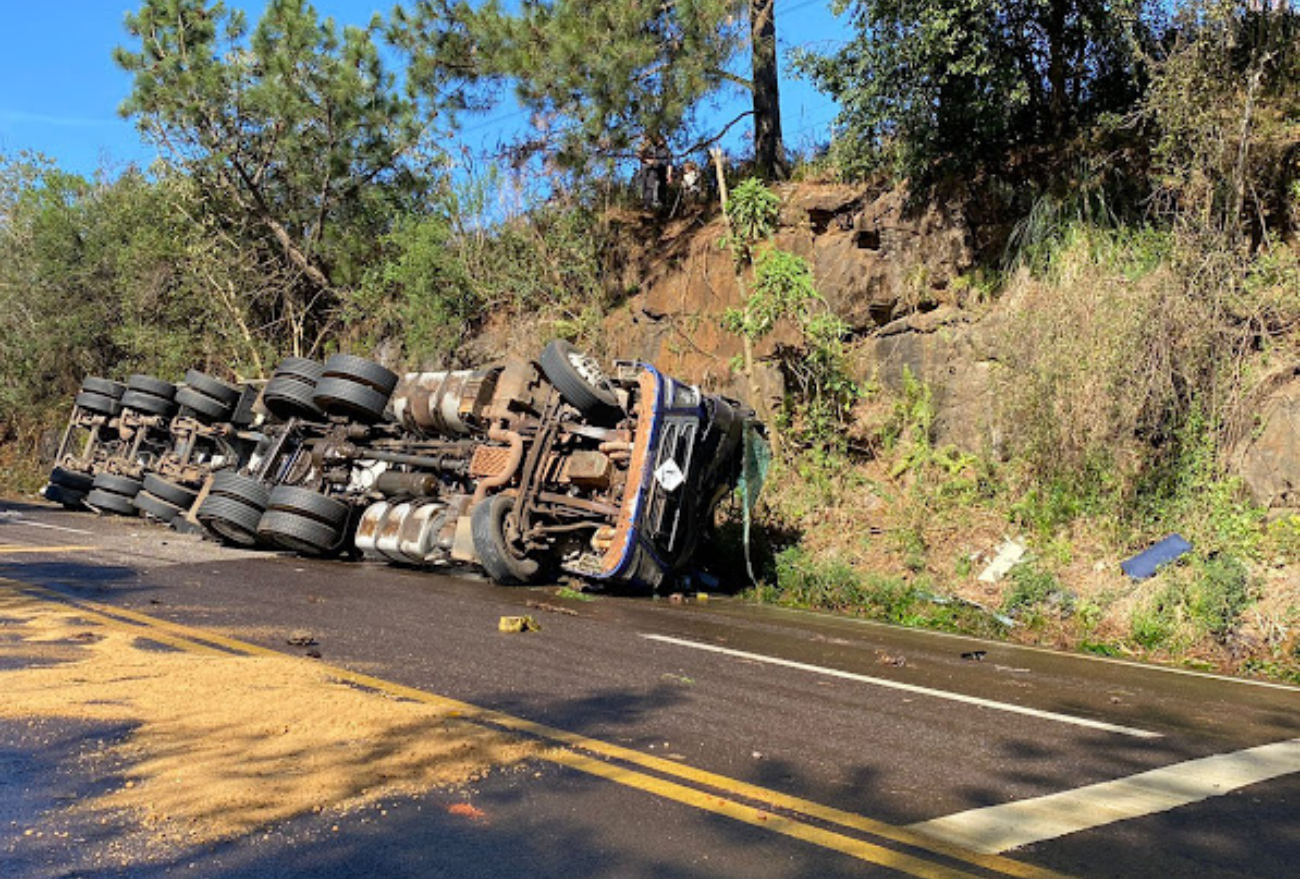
586	366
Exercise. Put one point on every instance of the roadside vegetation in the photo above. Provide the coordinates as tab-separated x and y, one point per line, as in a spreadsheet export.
1136	168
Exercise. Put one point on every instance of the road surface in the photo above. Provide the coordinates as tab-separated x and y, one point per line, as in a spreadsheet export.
688	739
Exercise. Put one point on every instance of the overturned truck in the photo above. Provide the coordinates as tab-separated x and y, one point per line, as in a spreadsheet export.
528	469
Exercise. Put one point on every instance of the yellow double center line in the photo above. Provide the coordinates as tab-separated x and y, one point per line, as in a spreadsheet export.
771	810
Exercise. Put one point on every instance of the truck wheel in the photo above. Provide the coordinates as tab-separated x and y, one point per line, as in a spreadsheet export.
578	378
211	387
288	396
362	371
149	404
301	368
70	498
204	406
299	534
231	520
65	478
177	495
156	507
350	399
99	404
103	501
308	504
120	485
502	562
150	385
103	386
241	488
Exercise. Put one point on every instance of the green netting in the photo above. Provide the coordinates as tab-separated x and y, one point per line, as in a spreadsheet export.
753	473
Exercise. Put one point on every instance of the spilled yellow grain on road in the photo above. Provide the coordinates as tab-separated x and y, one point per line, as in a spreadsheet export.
221	745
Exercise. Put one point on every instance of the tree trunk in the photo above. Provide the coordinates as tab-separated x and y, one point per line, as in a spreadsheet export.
1057	66
769	153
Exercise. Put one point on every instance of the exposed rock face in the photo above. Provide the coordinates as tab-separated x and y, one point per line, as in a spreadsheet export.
875	260
949	350
1269	459
893	273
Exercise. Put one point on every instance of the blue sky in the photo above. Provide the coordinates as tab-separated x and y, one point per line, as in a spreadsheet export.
59	88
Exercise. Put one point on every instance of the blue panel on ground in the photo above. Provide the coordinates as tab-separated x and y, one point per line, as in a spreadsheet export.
1147	562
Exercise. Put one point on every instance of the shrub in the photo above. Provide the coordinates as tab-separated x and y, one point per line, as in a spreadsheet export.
1220	590
1031	588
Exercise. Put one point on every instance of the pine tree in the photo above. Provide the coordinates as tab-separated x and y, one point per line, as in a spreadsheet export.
599	76
295	128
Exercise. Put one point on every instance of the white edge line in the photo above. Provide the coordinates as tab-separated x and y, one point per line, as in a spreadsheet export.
1028	648
996	829
910	688
17	520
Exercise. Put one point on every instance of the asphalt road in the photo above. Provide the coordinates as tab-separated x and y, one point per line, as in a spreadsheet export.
700	738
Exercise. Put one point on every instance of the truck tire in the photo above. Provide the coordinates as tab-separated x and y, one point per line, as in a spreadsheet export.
202	405
150	385
104	386
149	404
350	399
119	485
68	497
287	396
98	404
309	505
165	490
107	501
233	521
300	368
362	371
244	489
72	479
578	378
499	560
156	507
211	387
299	534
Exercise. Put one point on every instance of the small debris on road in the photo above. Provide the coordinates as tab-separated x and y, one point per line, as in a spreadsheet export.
466	810
552	608
313	654
884	658
300	638
518	624
975	655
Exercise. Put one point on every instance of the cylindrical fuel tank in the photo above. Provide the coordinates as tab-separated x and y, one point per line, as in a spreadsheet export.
444	403
410	532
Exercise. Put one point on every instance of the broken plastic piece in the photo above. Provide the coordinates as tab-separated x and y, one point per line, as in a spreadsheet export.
1009	555
518	624
1152	559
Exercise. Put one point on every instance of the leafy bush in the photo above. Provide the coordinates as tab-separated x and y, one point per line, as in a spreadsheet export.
805	580
1154	621
821	389
752	210
1205	599
1032	587
1218	593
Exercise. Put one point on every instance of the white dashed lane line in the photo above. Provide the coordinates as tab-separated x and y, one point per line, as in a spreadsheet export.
998	829
910	688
